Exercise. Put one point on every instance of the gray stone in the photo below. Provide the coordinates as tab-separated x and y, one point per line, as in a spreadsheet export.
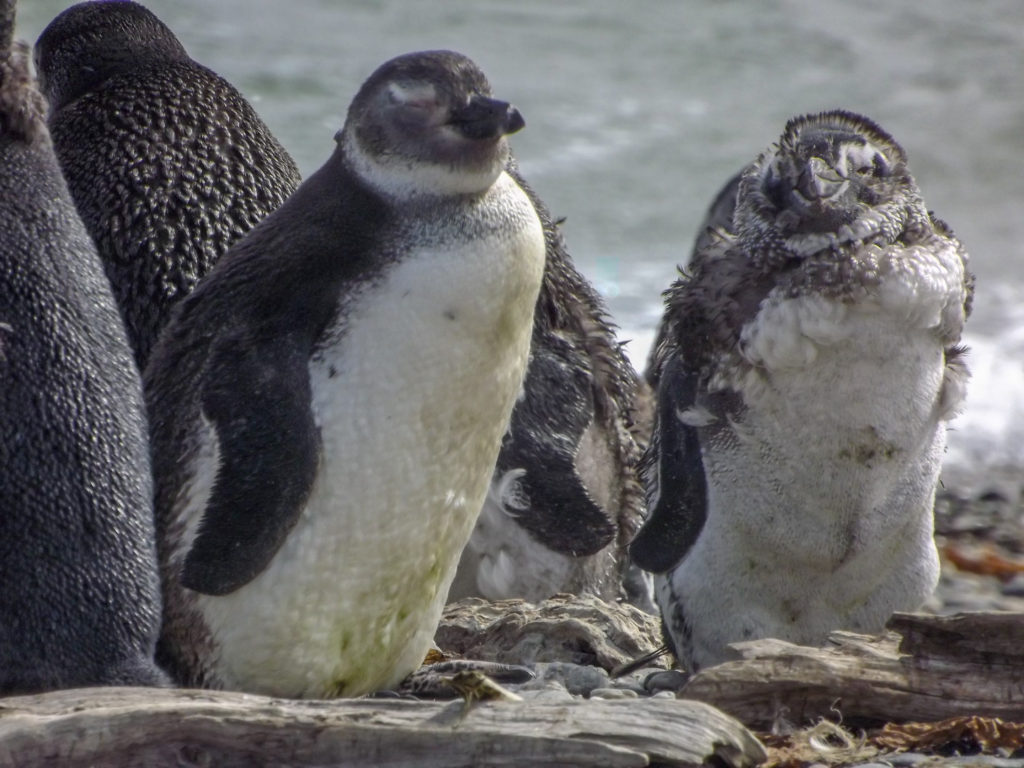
665	680
634	681
577	679
1014	587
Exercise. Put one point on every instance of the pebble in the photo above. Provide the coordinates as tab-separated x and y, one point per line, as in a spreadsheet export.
634	681
665	680
582	681
577	679
1014	587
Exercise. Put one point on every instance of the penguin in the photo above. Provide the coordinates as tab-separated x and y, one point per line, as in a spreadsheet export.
80	604
717	217
566	496
810	365
167	162
328	405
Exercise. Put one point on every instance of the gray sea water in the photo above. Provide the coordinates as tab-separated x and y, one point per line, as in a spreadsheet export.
637	113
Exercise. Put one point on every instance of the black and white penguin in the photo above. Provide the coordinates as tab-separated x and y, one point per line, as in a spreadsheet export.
167	162
566	497
328	405
80	603
809	368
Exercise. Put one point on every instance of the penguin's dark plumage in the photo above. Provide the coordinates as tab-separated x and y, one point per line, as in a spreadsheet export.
80	603
167	162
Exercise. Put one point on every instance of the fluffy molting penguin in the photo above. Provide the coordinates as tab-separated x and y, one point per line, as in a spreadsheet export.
167	162
717	218
566	497
80	603
329	403
806	375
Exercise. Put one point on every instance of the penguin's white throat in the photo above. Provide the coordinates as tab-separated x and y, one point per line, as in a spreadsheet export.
403	178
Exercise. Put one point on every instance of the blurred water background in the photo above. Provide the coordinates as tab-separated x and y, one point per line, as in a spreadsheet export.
638	112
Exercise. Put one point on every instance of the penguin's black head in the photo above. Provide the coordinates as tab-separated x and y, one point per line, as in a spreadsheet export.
426	123
828	171
91	42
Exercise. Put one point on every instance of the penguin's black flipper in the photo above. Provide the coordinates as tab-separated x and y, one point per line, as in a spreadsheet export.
545	493
679	505
257	396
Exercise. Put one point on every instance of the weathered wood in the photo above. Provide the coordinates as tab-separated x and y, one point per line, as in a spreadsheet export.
149	727
993	637
959	666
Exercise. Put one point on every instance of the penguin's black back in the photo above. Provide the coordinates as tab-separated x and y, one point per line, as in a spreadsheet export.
80	599
168	164
569	307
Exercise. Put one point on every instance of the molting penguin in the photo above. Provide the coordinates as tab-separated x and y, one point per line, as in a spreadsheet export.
329	403
80	603
167	162
566	497
807	373
718	217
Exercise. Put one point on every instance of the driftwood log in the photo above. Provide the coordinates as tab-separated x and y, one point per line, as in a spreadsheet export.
152	728
927	668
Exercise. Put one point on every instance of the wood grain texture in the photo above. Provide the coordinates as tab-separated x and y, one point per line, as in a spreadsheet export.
942	667
153	727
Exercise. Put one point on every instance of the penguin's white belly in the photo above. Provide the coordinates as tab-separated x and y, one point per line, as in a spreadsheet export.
830	435
412	398
820	495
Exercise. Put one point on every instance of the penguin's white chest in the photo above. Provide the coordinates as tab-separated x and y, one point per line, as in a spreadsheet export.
412	392
820	488
840	413
839	441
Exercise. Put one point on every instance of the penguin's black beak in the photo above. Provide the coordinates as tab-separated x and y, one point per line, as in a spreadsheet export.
819	181
485	118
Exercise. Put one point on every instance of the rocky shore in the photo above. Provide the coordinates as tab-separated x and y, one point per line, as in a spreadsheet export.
936	691
981	542
573	645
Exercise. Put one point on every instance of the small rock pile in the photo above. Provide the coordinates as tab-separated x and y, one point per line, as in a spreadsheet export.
572	644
